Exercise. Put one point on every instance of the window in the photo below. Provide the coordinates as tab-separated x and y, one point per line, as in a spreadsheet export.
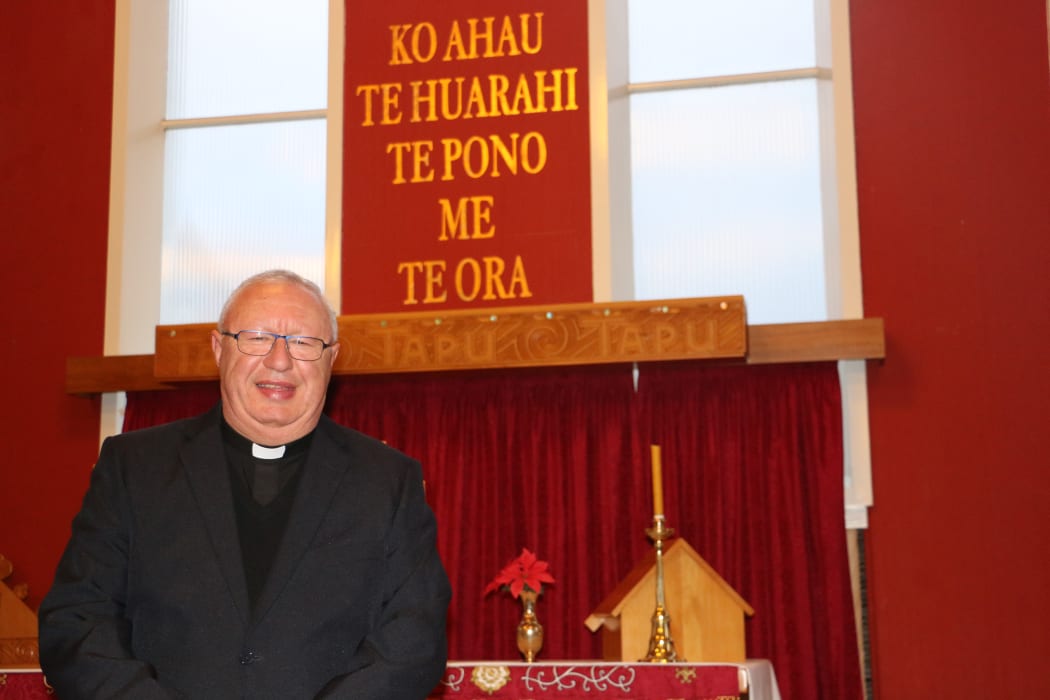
245	148
728	167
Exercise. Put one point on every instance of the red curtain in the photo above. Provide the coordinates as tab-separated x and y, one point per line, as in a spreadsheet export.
557	460
753	480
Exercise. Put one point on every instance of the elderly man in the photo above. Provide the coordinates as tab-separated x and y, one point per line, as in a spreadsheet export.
258	550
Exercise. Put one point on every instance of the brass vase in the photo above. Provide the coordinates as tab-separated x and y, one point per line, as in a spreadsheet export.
530	631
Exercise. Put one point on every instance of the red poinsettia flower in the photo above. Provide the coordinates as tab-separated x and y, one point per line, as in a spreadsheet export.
525	572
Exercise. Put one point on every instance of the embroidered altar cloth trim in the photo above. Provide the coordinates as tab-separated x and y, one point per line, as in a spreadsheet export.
568	680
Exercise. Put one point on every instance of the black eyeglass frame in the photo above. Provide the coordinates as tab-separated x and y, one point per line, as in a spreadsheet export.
276	337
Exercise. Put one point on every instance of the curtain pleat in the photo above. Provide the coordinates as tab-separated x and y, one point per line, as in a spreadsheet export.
556	460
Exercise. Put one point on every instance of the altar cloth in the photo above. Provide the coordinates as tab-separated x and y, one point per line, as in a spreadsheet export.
23	684
560	680
575	680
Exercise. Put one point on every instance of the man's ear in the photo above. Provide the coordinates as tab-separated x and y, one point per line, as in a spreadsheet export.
216	346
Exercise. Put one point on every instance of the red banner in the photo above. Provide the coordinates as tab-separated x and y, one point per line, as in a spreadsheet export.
467	155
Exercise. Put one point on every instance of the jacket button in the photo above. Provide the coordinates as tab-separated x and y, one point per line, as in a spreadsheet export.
248	658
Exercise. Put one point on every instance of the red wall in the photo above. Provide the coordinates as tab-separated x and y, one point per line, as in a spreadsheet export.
953	146
953	156
55	94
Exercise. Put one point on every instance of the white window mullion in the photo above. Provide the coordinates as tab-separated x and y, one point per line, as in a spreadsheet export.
333	240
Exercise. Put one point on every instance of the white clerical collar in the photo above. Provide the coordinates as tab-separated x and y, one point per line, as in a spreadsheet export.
261	452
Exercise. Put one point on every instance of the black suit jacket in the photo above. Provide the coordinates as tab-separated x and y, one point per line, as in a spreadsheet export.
149	600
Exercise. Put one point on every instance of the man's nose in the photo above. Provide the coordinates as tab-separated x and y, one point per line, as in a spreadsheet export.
279	357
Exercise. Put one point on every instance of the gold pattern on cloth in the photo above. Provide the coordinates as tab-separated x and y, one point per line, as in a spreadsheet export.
686	675
490	678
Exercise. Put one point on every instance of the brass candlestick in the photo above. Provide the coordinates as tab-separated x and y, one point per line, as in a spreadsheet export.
661	646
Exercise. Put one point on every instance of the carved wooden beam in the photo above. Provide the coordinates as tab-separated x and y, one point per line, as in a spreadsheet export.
526	336
713	328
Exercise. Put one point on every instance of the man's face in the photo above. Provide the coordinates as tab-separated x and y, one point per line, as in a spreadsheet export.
273	399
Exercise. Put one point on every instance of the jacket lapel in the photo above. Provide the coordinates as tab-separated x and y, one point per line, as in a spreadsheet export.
325	466
204	459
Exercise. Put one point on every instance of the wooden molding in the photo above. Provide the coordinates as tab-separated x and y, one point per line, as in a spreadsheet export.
862	339
711	328
19	652
95	375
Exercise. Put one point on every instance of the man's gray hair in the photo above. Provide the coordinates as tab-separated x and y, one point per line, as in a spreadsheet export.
287	277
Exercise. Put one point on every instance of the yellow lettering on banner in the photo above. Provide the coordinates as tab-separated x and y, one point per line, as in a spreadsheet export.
532	48
433	272
482	35
471	277
523	101
435	281
368	92
498	86
480	40
476	101
455	43
518	280
475	270
426	99
478	156
553	87
493	269
419	156
494	95
411	268
507	44
389	95
422	34
456	221
427	93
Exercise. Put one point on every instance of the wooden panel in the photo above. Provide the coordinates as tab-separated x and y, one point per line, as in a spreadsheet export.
93	375
862	339
183	353
18	624
569	334
19	652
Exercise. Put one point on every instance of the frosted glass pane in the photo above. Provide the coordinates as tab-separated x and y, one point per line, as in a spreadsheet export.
675	39
726	197
246	56
239	200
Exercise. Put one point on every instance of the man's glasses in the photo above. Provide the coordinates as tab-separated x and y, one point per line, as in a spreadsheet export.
300	347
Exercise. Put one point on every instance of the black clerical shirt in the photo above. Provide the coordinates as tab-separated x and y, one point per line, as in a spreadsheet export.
261	525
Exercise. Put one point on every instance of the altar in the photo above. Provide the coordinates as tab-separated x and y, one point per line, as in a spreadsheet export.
575	680
558	680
